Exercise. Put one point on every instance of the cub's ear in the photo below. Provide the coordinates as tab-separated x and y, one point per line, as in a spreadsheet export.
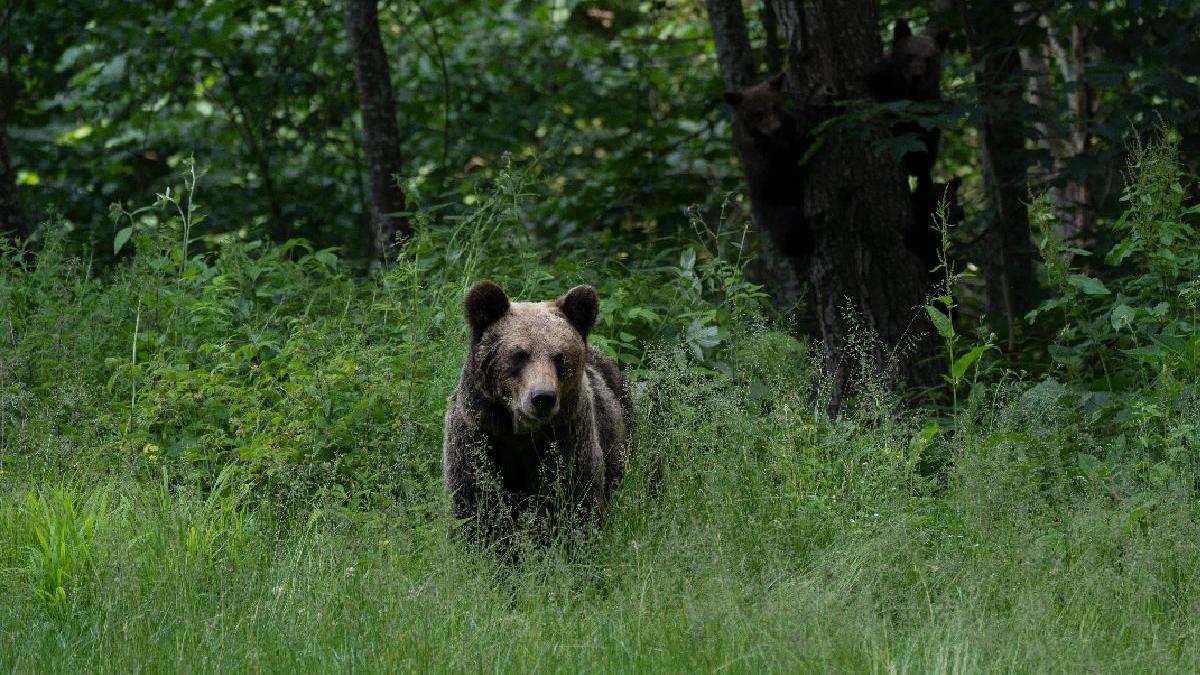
902	30
942	39
734	98
776	82
484	304
580	305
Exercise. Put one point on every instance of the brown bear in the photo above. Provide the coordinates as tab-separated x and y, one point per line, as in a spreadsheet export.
770	141
538	414
912	72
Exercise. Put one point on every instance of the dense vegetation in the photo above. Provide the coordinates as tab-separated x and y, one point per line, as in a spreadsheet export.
220	414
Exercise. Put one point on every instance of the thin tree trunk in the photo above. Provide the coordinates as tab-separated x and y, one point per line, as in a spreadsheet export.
735	59
774	51
856	203
1070	198
11	219
381	135
734	56
1076	198
1010	285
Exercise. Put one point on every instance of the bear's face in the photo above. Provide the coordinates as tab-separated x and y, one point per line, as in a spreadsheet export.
529	356
761	109
917	61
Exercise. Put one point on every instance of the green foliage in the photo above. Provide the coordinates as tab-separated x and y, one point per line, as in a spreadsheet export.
55	528
957	360
273	362
773	522
112	96
1129	333
266	426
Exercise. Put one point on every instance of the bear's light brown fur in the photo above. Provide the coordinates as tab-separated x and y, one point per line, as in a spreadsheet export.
538	414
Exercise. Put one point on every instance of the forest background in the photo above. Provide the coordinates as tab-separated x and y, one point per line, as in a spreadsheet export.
237	241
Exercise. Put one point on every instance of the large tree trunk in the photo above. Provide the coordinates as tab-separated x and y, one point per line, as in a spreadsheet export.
856	202
11	220
781	275
1010	284
381	136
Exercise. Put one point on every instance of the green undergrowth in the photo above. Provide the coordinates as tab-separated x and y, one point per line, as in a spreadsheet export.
776	544
227	459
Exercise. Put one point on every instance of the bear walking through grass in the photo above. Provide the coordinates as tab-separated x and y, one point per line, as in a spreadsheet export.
539	419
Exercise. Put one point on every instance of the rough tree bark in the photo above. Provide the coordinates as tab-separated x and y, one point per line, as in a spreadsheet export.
855	201
11	220
381	136
1010	284
735	59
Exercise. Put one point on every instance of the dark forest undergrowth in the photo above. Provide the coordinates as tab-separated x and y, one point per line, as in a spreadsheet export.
229	460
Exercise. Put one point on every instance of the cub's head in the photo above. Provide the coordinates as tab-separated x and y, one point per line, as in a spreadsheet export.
917	60
761	109
529	356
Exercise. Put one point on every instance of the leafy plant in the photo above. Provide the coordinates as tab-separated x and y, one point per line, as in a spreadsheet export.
958	359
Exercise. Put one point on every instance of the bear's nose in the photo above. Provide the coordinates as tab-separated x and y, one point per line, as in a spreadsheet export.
543	400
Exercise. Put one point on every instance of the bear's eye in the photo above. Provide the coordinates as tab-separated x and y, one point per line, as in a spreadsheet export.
560	362
520	358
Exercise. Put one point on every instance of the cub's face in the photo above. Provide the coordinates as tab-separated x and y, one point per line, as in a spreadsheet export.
529	356
761	109
917	59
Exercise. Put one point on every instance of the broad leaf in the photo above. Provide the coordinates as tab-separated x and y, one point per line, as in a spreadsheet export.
940	321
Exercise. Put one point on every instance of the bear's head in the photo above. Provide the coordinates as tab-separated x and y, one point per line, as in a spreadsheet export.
529	356
761	109
917	61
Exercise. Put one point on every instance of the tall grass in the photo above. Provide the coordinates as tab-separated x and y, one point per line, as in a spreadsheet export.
270	500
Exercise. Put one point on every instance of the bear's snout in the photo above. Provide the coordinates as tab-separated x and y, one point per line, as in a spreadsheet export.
544	401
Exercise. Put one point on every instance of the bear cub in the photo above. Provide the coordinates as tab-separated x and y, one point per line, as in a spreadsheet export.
912	71
538	414
770	142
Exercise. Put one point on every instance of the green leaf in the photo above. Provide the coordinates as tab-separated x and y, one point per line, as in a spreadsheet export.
121	238
963	362
1123	315
940	321
1119	252
1089	285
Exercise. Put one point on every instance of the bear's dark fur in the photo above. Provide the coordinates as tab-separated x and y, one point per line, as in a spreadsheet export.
538	415
770	141
912	71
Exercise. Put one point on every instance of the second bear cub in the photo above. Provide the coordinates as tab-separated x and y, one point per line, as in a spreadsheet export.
770	143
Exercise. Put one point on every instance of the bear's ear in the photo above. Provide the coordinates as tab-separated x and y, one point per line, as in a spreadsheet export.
776	83
580	306
734	98
484	305
942	39
901	30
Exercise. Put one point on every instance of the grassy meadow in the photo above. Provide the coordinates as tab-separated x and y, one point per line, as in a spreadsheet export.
229	461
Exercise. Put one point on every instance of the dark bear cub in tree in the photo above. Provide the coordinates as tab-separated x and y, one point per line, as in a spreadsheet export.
912	72
538	415
770	141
